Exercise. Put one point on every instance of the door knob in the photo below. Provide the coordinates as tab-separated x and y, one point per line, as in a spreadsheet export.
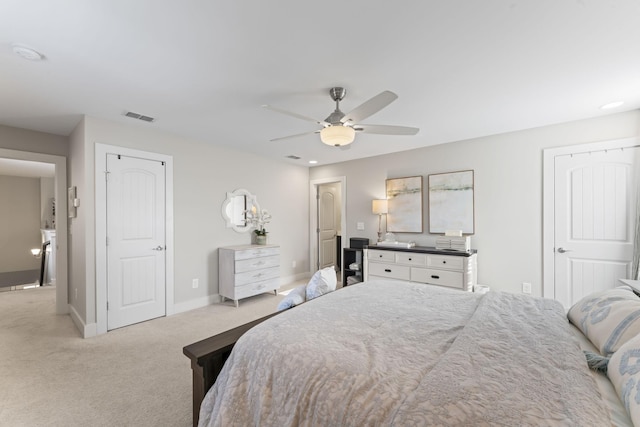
563	250
158	248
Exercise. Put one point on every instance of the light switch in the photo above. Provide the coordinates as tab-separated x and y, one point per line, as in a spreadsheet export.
360	226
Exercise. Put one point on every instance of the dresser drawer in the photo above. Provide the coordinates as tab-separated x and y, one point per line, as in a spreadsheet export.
256	275
418	260
256	252
452	279
257	263
392	271
381	255
448	262
255	288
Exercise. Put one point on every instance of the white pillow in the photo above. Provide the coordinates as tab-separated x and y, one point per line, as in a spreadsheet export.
322	282
624	373
295	297
607	318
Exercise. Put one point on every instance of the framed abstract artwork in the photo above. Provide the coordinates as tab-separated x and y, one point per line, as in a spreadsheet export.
451	202
404	198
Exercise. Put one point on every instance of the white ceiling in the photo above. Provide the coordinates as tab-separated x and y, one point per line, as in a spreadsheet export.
461	68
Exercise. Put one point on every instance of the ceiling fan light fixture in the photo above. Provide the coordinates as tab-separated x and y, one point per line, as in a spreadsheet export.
337	136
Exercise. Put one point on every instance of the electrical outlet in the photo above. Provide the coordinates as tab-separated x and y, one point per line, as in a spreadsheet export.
526	288
194	283
360	226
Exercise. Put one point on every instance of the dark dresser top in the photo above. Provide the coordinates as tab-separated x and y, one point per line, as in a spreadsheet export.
423	250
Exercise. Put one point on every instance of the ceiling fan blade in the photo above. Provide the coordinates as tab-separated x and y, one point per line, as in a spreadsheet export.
294	136
296	115
370	107
386	130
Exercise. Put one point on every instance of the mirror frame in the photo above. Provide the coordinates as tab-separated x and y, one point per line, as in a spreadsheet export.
251	201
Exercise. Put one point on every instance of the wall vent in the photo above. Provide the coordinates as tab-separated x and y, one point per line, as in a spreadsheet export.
139	117
291	156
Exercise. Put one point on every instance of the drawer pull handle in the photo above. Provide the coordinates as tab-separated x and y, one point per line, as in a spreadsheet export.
433	276
258	275
409	259
388	270
444	262
258	263
380	256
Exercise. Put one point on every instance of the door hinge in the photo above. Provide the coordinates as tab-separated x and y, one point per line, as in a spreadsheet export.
107	242
106	175
107	305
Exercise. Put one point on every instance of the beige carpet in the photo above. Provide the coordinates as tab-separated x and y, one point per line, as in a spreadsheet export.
134	376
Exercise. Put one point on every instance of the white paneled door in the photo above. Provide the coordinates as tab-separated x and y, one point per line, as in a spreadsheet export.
327	231
136	264
595	205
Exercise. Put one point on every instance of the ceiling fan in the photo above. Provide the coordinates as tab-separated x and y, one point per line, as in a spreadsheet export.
339	129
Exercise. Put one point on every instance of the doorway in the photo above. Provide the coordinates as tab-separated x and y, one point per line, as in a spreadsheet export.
136	240
134	236
328	221
589	217
329	225
60	195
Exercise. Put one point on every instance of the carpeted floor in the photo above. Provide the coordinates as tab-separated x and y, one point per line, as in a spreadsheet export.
134	376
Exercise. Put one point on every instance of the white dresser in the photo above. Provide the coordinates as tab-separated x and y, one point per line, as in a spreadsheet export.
424	265
248	270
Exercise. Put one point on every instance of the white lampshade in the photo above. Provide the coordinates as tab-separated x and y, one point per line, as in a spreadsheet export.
35	252
380	206
337	135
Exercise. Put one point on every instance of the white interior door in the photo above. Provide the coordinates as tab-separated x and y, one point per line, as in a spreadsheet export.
327	228
136	265
595	205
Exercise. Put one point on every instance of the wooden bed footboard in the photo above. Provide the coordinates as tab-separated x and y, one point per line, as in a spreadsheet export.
208	357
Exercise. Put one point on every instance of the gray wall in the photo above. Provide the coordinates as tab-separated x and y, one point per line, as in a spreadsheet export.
36	142
203	173
19	223
508	191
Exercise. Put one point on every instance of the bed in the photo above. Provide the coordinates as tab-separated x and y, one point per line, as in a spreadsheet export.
395	353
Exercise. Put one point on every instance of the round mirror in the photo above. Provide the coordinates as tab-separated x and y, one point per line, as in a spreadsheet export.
235	208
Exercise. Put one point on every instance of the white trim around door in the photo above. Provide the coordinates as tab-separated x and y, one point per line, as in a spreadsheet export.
101	228
313	216
60	194
548	195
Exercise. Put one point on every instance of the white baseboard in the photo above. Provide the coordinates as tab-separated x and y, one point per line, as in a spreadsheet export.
87	331
193	304
216	298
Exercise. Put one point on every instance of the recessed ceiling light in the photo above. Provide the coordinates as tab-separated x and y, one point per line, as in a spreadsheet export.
611	105
313	162
27	53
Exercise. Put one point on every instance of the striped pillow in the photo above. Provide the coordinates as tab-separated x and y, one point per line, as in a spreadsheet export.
624	373
608	318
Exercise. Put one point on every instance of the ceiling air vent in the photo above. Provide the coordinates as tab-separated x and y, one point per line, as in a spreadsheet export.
139	117
293	157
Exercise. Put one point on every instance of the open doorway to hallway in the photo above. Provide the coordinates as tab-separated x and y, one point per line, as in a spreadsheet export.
33	186
328	223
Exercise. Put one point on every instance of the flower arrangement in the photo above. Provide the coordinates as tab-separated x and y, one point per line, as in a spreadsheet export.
258	220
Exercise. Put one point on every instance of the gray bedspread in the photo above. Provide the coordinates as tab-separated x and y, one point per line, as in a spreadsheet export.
388	353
